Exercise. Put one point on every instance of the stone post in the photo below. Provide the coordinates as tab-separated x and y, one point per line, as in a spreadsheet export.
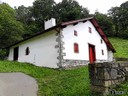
103	77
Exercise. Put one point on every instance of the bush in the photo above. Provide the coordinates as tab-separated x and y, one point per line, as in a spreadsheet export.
3	54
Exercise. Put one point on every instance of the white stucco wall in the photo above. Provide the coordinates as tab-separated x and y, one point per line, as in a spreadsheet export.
110	55
83	39
10	56
42	50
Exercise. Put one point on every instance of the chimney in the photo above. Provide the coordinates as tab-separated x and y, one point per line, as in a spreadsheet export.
1	2
50	23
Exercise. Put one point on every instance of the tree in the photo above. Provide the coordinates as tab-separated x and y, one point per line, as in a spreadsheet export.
123	19
105	22
119	16
64	11
70	10
24	15
84	13
113	13
42	10
10	29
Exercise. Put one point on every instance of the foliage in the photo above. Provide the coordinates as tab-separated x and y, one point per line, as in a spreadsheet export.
64	11
119	16
121	47
105	23
33	17
3	54
53	82
23	22
70	10
24	15
10	29
123	88
42	10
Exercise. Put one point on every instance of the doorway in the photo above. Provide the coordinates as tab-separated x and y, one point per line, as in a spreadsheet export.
92	56
16	53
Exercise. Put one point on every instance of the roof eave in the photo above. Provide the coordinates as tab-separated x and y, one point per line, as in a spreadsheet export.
37	34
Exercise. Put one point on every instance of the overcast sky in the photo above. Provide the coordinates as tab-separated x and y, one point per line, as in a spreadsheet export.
93	5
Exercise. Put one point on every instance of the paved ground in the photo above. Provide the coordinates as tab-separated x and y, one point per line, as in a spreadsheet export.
17	84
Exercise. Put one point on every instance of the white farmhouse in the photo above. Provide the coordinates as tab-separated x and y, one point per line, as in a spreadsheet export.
72	43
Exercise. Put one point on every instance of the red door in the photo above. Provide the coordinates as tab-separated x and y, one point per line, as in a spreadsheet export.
92	56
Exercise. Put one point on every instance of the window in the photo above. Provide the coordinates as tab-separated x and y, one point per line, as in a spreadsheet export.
102	52
76	48
90	29
27	51
101	41
75	33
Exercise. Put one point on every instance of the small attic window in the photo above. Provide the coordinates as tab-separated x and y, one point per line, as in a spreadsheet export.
90	29
101	41
27	51
75	33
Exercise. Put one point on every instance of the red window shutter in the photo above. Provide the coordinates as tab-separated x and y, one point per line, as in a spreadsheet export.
76	48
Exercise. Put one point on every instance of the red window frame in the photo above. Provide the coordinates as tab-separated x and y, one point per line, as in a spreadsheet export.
76	48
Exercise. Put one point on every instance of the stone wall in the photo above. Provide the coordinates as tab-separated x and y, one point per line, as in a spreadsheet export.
105	76
68	63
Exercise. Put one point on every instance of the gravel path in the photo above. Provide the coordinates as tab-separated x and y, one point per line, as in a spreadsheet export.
17	84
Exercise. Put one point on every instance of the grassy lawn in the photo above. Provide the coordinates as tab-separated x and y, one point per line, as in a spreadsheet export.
75	82
123	87
121	46
53	82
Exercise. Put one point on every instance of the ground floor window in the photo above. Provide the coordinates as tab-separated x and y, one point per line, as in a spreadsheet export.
27	51
76	48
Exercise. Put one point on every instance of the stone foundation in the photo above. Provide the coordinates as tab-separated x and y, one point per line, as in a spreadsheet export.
67	63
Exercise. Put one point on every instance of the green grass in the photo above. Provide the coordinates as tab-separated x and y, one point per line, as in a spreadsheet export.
53	82
121	46
123	87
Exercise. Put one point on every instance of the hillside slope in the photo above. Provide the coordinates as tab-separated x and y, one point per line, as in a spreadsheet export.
121	46
53	82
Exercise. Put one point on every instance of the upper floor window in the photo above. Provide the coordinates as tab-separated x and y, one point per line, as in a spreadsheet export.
27	51
75	33
102	52
90	29
76	48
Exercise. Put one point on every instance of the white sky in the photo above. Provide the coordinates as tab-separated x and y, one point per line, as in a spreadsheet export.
93	5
